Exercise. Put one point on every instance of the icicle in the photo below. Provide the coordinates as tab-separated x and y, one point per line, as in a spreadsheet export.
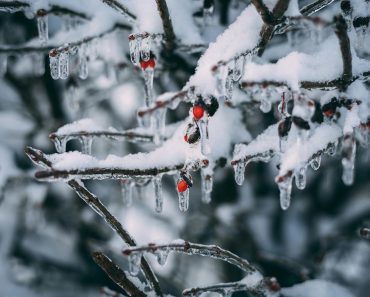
86	142
144	121
39	65
83	70
315	162
239	169
207	185
265	104
134	261
134	43
145	46
158	123
3	64
183	200
54	64
60	144
148	79
64	64
221	74
157	184
162	256
126	191
348	160
229	85
42	27
238	68
285	187
300	178
204	136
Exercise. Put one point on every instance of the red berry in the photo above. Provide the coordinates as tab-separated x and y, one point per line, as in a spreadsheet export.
186	138
145	64
182	186
329	113
198	112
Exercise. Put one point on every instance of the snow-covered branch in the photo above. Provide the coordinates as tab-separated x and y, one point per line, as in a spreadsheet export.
116	5
169	35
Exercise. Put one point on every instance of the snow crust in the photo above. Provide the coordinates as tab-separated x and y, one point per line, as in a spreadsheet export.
316	288
86	125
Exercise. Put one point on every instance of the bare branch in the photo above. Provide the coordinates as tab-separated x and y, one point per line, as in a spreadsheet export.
345	48
39	158
169	34
117	275
263	10
212	251
13	6
116	5
315	6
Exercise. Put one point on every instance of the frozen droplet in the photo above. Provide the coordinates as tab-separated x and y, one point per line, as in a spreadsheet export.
239	170
64	64
144	47
43	29
38	64
158	124
265	105
183	200
134	260
315	162
229	86
126	191
134	44
348	160
60	144
157	185
207	185
83	70
162	255
148	80
3	64
300	178
204	136
86	143
54	64
239	63
285	187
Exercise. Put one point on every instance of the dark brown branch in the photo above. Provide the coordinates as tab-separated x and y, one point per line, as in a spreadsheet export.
117	275
186	247
116	5
12	6
263	10
345	48
169	34
39	158
315	6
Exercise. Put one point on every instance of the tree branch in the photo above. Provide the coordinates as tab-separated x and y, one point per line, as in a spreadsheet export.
169	35
117	275
39	158
315	6
116	5
263	10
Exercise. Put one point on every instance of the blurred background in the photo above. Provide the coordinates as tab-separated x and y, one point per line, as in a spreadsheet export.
47	233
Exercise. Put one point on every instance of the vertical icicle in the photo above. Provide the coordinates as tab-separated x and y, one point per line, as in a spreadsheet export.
3	64
315	162
157	185
204	135
238	68
158	123
207	185
83	70
42	26
54	64
162	256
64	64
134	44
145	46
229	85
360	37
126	191
300	177
134	261
239	170
265	105
348	160
60	144
183	200
285	187
86	143
148	79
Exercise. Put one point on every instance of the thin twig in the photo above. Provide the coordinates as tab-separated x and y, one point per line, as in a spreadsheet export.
263	10
116	5
315	7
169	34
117	275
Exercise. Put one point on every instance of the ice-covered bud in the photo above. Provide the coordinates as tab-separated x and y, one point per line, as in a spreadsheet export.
284	127
198	112
192	134
328	109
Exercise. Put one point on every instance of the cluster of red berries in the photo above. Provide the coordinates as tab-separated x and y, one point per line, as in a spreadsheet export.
185	182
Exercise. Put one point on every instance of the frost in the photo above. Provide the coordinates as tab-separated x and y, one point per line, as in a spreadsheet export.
316	288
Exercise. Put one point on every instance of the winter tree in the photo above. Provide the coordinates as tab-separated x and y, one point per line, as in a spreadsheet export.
153	108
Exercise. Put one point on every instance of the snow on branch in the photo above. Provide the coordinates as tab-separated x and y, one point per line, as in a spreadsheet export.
117	274
40	159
